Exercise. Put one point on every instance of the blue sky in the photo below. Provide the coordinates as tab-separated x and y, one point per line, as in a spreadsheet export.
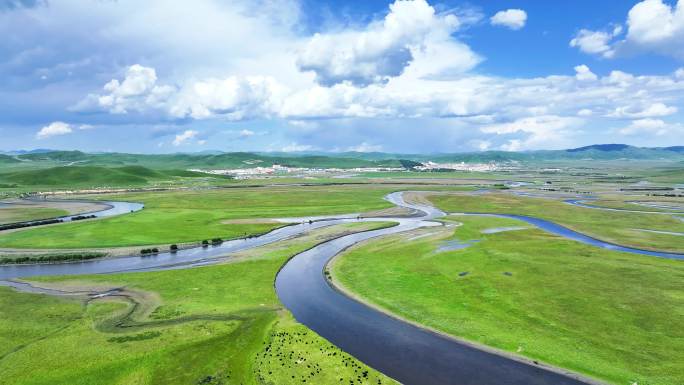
305	75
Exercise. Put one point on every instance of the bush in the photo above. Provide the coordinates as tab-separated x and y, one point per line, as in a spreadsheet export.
82	217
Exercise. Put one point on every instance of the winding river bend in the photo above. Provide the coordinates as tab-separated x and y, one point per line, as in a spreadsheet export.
403	351
112	209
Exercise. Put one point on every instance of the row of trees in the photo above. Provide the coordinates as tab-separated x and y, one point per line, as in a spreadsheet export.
51	258
21	225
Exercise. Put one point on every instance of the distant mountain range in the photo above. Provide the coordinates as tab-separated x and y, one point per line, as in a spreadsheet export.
217	159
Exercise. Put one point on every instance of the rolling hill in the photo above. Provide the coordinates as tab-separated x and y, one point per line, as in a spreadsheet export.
88	176
344	160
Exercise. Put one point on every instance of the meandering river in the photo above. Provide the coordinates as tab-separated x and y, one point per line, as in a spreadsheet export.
408	353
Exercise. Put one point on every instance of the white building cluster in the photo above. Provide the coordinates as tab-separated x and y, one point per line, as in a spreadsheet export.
278	170
462	166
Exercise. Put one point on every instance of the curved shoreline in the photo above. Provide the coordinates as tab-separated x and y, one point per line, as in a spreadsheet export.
568	233
406	351
112	208
338	286
402	350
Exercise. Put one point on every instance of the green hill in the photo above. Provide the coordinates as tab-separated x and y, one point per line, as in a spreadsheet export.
93	176
203	160
6	159
344	160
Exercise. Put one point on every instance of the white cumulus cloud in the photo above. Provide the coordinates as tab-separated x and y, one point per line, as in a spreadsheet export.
649	111
184	137
235	98
548	131
385	48
583	73
596	42
138	91
54	129
511	18
652	26
646	126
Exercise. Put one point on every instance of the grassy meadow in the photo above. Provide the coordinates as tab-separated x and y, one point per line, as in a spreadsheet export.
615	227
608	315
21	214
189	216
219	324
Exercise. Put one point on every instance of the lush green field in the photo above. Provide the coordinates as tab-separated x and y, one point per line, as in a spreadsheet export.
20	214
187	216
212	325
184	161
72	177
624	204
609	315
616	227
433	175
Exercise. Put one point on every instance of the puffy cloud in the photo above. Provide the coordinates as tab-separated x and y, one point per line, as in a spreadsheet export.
234	98
652	22
184	137
470	102
679	73
583	73
622	79
649	111
137	91
54	129
548	131
652	25
647	126
511	18
596	42
385	48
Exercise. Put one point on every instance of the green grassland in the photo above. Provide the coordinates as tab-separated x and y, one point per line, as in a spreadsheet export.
21	214
196	160
433	175
622	204
219	324
189	216
73	177
616	227
606	314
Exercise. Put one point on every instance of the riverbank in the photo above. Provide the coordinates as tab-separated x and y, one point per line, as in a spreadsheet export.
604	314
219	323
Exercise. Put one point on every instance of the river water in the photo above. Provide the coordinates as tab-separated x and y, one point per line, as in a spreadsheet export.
408	353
